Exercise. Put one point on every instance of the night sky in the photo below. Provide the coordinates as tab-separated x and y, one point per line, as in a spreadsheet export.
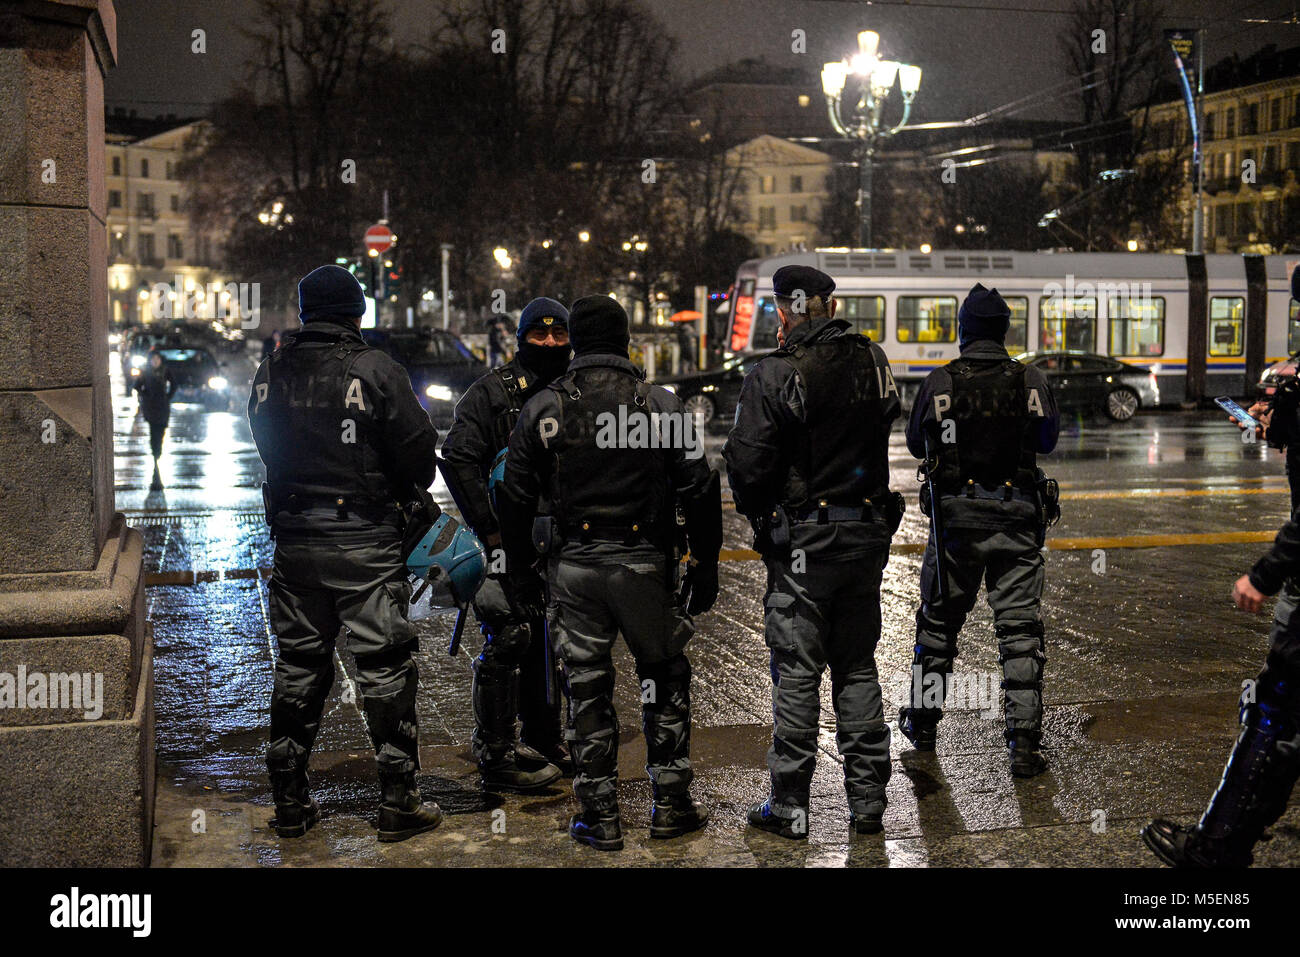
974	59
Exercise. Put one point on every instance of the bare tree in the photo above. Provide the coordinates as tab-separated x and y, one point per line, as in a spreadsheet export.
1116	50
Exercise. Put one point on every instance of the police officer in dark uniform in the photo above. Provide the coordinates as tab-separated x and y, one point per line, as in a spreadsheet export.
1265	761
808	463
979	423
512	675
611	464
344	441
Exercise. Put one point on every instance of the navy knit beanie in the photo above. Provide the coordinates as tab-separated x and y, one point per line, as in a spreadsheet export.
330	291
983	315
542	312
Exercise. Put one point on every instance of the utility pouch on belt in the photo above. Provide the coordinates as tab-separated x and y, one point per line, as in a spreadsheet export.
777	525
268	507
545	537
895	505
1049	497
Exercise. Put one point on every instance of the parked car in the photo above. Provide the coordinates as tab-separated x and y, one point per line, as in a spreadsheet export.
441	367
713	393
1089	383
1275	372
199	377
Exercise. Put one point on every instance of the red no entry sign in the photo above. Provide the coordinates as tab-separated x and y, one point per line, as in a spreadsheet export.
379	238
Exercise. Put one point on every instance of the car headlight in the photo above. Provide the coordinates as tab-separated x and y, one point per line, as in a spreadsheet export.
217	383
439	392
671	388
137	361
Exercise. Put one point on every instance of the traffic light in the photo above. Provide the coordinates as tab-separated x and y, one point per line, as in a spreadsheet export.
392	279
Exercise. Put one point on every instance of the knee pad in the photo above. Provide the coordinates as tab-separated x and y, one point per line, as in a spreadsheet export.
387	672
313	673
669	677
586	683
504	643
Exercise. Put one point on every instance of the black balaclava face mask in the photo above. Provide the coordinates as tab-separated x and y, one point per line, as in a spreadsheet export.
546	362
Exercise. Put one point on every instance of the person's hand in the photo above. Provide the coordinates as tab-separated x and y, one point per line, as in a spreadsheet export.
1246	596
524	593
703	587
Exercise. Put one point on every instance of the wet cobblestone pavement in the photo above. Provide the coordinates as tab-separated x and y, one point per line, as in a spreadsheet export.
1145	659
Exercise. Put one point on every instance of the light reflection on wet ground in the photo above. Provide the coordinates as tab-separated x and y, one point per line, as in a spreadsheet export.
1144	662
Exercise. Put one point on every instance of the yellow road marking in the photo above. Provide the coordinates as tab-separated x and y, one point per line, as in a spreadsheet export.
1076	544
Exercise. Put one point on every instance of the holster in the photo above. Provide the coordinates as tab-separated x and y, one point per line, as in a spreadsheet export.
546	535
268	507
776	525
895	506
1049	508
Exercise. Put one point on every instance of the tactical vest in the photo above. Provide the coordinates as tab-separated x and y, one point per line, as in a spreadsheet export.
514	386
990	405
308	413
615	492
841	454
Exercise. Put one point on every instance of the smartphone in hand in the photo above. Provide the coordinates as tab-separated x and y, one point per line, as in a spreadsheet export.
1243	417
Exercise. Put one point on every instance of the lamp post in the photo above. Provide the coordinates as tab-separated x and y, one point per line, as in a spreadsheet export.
862	122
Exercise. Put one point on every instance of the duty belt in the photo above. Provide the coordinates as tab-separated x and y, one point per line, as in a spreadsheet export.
1005	492
297	502
823	512
625	534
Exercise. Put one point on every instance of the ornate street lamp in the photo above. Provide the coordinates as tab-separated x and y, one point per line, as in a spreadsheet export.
863	121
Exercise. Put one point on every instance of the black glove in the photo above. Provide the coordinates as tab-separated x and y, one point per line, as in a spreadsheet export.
524	594
700	587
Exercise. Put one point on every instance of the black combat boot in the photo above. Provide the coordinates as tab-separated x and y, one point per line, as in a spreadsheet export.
1026	760
676	814
920	726
792	824
402	814
867	821
495	696
598	825
1252	794
295	809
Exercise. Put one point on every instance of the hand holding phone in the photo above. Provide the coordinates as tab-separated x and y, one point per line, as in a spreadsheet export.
1240	415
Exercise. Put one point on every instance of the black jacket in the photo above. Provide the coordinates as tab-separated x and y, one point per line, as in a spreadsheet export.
762	445
1281	562
155	390
529	488
939	382
396	443
480	430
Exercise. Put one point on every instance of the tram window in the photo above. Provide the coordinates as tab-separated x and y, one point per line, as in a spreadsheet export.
1067	324
1293	329
1137	326
866	313
1227	320
1018	333
765	324
927	318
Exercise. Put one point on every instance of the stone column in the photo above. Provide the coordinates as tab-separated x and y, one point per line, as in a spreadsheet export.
76	708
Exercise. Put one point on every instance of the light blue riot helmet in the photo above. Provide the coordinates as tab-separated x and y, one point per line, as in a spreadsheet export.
451	560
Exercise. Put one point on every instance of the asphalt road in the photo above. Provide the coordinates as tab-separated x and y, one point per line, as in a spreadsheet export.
1145	659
